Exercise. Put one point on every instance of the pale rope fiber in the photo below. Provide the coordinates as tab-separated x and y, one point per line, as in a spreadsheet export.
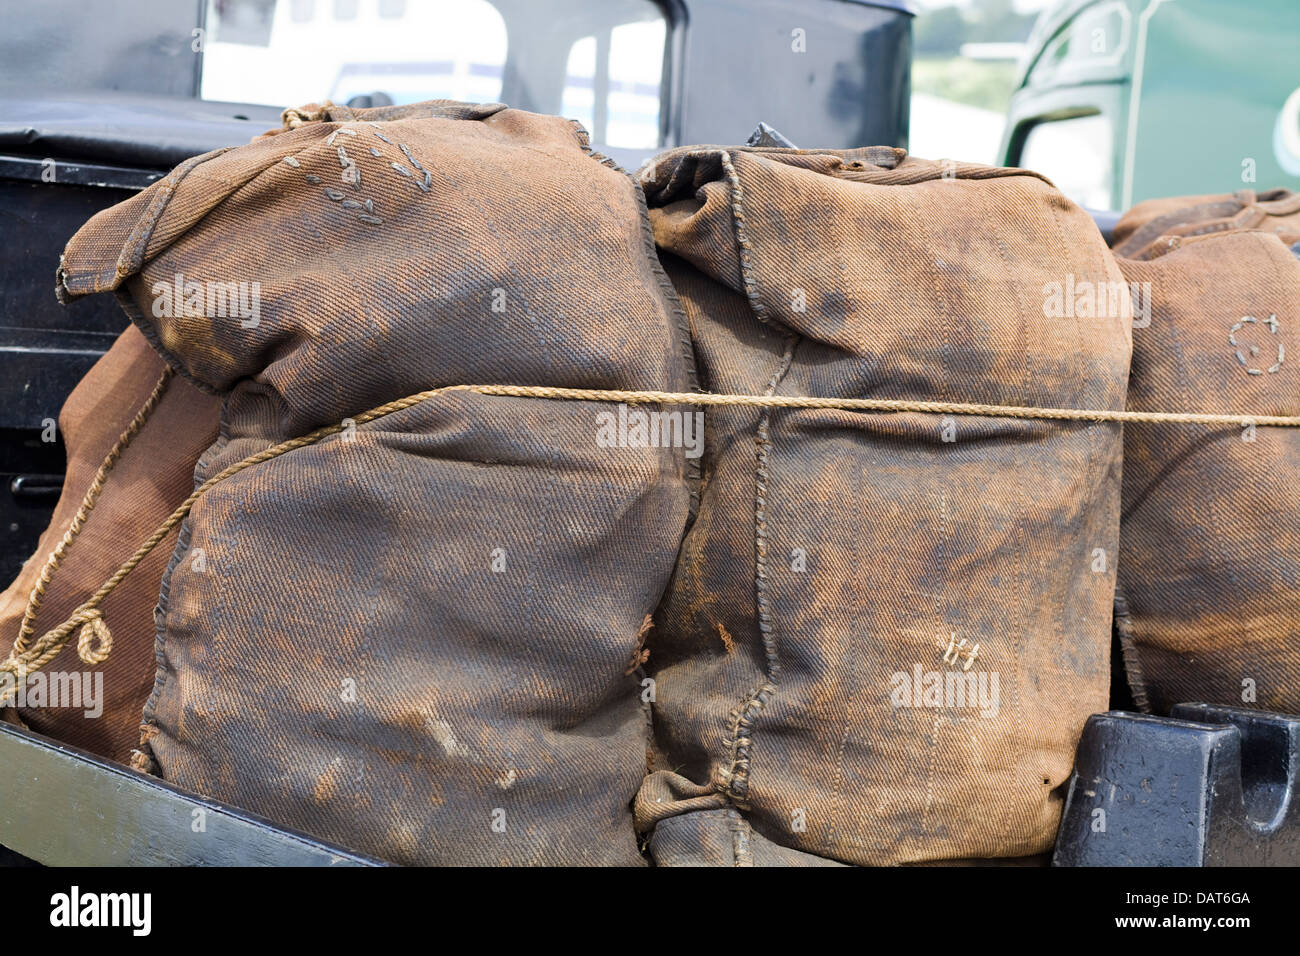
95	640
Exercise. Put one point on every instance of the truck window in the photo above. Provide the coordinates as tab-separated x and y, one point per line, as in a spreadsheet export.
1075	154
1093	41
627	114
284	54
602	64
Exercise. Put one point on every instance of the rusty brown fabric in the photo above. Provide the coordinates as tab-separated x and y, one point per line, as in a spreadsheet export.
419	639
1157	222
152	476
1210	536
836	554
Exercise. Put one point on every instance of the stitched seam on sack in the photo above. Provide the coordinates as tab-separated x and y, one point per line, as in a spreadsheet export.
1128	649
740	728
746	713
1018	621
236	183
737	776
744	250
741	832
1147	233
681	324
1221	225
131	257
971	173
149	221
1143	236
149	716
1250	217
149	727
912	175
763	442
1207	238
682	327
132	310
150	332
763	445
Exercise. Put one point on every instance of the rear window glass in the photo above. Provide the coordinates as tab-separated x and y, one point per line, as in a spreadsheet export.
602	64
1076	155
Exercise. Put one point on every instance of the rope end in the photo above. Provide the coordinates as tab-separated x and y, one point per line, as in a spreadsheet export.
95	642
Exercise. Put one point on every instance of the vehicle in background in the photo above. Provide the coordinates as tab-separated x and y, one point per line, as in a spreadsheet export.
1124	100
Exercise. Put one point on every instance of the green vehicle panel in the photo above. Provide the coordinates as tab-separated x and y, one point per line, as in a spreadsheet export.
1125	100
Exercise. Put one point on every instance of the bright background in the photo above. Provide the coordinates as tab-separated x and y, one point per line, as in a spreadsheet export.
966	55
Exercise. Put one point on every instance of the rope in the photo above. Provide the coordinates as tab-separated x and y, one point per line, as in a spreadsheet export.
866	405
95	641
88	501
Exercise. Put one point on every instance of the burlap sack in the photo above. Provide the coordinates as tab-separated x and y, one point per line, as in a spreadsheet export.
1153	223
1209	562
419	637
844	565
151	474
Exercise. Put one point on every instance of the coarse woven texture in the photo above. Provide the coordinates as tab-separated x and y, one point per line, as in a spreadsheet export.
694	825
419	638
1144	229
837	554
1210	535
152	475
